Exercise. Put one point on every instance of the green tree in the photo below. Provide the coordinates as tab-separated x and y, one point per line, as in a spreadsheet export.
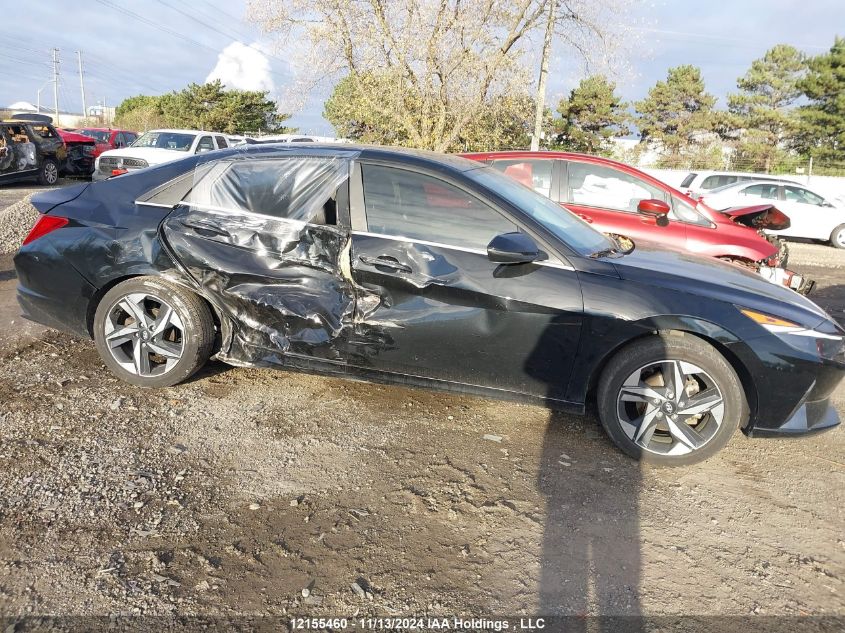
204	106
676	115
364	106
590	117
761	110
823	119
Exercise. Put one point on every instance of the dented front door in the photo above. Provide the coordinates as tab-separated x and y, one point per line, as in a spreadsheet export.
443	309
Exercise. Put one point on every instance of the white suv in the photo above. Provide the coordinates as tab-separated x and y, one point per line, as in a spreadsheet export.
700	182
154	148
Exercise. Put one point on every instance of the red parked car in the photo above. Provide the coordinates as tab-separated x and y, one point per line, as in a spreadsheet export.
619	199
107	138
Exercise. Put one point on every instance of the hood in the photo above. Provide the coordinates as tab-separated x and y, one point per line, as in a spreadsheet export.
73	137
759	216
153	155
708	277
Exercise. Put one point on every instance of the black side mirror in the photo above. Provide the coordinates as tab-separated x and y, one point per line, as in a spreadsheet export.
656	209
512	248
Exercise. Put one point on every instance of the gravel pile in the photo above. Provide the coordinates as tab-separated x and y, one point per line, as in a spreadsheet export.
16	220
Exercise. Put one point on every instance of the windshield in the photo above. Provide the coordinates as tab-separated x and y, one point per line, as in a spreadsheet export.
563	224
98	135
166	140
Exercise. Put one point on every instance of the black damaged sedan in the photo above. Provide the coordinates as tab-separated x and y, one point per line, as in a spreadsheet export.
426	270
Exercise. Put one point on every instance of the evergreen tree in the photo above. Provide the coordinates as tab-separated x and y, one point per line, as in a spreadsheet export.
676	114
823	120
761	111
590	117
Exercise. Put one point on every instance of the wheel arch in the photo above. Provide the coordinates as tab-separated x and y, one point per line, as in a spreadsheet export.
715	336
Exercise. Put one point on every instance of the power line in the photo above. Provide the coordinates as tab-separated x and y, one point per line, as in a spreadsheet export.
720	38
156	25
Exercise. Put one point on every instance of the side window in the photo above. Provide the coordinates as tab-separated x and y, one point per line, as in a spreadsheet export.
711	182
296	188
598	186
43	131
129	137
205	144
119	140
765	191
799	194
408	204
536	174
221	142
18	134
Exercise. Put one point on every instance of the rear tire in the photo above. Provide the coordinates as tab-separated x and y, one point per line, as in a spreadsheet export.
645	413
153	333
837	237
48	174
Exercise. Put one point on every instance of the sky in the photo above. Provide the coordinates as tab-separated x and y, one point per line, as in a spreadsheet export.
156	46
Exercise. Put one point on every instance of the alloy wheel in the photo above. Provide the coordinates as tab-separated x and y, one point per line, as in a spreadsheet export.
51	173
670	407
144	334
840	238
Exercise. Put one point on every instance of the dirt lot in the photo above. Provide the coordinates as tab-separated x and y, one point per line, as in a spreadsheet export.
237	491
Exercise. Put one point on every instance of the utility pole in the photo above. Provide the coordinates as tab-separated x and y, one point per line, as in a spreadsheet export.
540	99
56	82
81	84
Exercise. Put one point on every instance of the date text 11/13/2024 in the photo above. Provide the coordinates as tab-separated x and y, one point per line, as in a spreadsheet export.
419	624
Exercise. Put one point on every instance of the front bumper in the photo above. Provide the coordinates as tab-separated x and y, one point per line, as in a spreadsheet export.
808	419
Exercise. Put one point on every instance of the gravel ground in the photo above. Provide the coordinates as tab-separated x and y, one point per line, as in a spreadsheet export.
235	492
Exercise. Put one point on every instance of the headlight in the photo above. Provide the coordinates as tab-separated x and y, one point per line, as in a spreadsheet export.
814	342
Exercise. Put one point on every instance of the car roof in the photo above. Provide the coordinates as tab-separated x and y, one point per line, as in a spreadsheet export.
418	157
706	172
761	181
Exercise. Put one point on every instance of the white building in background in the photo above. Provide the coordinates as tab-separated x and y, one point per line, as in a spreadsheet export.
65	119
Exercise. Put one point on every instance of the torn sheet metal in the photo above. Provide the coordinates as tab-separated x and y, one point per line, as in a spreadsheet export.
760	216
260	240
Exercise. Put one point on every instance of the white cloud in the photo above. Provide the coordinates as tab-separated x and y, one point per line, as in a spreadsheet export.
243	67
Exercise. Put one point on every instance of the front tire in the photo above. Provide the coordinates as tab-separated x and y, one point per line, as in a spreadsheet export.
49	172
671	400
153	333
837	237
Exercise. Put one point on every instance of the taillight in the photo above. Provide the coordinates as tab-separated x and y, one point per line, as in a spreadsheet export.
45	224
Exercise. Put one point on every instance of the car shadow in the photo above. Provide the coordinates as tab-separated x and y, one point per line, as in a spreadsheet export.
591	552
590	561
211	369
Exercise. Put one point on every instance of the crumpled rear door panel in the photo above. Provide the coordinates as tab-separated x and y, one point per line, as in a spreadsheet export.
280	283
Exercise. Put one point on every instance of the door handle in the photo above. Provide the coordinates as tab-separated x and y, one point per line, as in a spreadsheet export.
586	218
206	227
385	261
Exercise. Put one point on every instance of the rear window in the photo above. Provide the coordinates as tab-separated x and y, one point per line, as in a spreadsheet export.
688	180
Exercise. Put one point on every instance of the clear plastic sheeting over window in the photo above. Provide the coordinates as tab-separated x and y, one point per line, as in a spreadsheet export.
297	188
